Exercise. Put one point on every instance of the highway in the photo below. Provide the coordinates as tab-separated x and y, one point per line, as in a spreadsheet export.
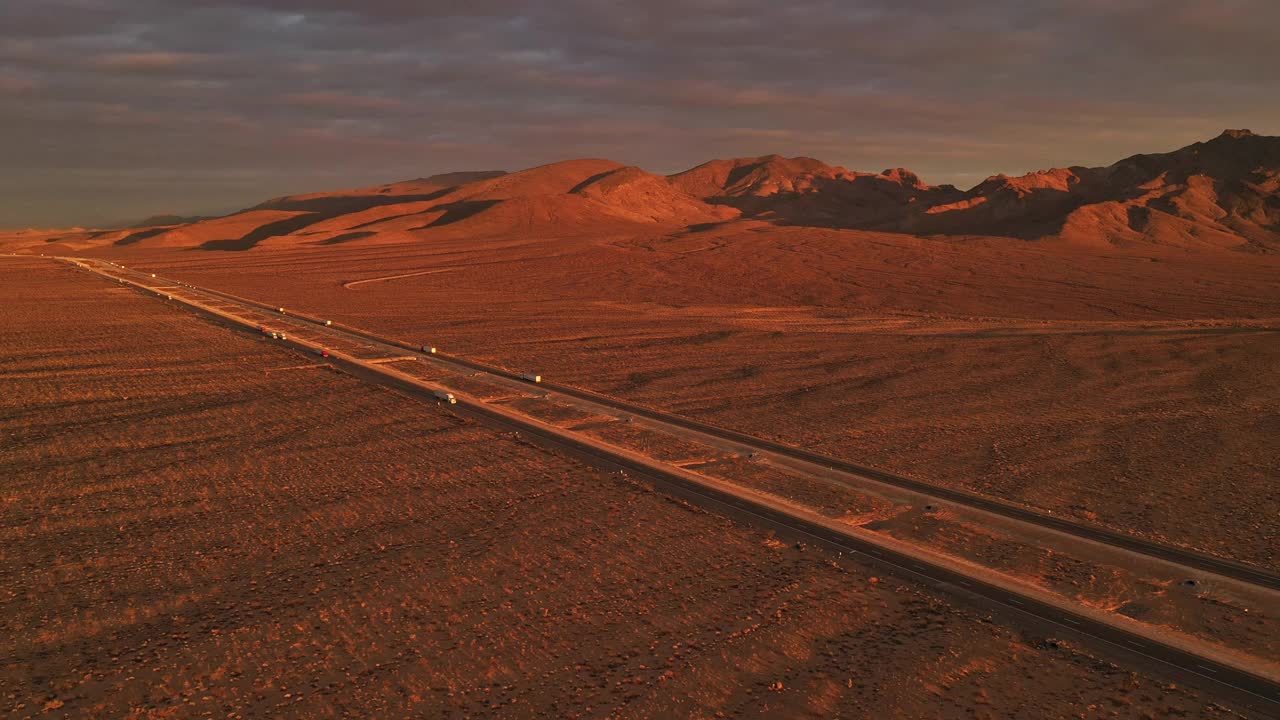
1131	543
1127	642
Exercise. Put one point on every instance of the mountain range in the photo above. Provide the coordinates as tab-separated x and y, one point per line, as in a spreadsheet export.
1220	193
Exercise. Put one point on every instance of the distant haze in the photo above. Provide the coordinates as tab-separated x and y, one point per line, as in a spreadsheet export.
112	110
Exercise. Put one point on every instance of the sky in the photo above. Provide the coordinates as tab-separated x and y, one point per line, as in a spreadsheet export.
114	110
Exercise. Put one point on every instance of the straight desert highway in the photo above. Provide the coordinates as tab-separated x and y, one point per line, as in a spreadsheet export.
464	414
1187	662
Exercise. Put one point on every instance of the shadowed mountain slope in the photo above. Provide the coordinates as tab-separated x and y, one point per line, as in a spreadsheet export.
1223	193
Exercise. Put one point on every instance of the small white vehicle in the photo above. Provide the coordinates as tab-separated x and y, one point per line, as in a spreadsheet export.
281	310
429	349
531	377
445	396
328	323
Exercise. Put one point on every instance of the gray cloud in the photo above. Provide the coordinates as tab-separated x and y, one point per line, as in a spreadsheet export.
118	108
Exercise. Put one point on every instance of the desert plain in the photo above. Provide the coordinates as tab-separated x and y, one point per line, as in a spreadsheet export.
199	522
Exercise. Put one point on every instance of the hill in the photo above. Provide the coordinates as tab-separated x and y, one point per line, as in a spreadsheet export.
1221	193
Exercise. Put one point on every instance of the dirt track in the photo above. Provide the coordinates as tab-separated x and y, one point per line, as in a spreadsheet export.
353	283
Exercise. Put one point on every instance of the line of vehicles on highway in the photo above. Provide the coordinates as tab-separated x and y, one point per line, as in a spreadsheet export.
441	395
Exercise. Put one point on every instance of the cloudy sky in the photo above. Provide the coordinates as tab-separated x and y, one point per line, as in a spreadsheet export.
117	109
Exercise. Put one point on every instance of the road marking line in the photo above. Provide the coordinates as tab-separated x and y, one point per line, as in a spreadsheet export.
1207	668
1015	601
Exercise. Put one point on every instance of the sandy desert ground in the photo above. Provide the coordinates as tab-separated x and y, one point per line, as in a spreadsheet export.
199	524
1134	388
1228	614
